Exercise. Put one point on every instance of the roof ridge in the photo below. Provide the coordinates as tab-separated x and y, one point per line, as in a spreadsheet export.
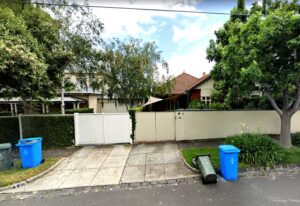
201	79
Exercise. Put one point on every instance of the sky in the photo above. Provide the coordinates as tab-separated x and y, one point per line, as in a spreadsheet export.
182	38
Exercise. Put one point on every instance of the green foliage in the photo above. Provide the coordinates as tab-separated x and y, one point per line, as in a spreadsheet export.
9	130
4	113
132	113
131	70
296	139
256	149
189	153
81	110
197	104
266	44
219	106
260	54
56	131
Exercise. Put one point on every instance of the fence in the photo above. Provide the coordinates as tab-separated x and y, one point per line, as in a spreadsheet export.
102	128
191	125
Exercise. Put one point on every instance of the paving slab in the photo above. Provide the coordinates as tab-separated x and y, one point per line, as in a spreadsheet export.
133	174
93	162
115	161
177	170
108	176
79	178
73	163
154	158
139	149
136	159
155	173
83	152
101	151
118	150
171	157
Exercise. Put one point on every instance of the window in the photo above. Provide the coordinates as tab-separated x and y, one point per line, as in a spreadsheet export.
206	100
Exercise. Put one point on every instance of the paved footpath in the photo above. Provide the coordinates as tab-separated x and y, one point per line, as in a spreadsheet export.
272	190
113	164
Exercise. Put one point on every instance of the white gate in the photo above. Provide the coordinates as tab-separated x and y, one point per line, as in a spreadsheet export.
102	128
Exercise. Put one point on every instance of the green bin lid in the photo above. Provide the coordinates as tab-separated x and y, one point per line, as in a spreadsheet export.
5	146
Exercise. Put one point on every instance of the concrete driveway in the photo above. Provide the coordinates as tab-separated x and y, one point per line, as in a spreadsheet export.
155	162
114	164
89	166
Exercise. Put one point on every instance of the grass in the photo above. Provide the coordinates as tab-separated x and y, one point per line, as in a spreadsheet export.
18	174
291	156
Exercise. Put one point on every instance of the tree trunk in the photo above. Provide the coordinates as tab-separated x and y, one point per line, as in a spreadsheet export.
62	95
285	132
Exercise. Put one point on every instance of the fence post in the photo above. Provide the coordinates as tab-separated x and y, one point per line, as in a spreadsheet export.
20	126
76	128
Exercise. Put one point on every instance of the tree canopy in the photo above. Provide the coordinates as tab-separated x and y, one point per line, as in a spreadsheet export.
29	47
131	71
260	53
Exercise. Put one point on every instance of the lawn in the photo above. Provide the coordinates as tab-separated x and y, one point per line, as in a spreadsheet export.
189	153
18	174
291	156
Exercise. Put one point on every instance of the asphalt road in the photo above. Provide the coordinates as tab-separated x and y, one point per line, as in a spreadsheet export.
255	191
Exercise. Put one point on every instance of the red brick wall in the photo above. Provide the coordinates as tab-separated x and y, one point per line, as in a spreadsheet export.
195	94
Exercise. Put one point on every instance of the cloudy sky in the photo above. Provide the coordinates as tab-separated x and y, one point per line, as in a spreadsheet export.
182	37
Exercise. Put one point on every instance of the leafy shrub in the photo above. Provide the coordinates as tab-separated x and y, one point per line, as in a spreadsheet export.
256	149
5	113
56	131
197	104
219	106
296	139
81	110
132	113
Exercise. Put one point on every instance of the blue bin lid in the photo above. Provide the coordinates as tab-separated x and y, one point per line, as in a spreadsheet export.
229	148
29	141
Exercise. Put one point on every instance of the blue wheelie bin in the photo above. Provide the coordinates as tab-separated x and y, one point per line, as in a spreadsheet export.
229	162
30	151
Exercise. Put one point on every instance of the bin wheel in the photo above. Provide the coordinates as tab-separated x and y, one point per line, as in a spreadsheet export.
43	160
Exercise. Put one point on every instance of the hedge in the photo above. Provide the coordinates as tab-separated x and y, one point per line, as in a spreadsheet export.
9	130
56	131
81	110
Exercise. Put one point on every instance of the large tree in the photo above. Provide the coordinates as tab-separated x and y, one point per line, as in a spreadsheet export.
66	39
79	33
130	71
260	53
29	46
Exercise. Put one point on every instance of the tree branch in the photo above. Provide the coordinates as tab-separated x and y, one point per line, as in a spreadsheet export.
296	104
275	106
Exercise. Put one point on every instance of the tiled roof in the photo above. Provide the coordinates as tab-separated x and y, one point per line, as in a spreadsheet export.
199	81
183	82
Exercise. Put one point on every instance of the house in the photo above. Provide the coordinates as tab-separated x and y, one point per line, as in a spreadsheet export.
15	106
186	88
78	97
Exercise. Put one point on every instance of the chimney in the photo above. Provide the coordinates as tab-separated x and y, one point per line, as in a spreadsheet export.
203	74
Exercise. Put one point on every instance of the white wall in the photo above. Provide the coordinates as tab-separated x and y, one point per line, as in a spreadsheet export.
155	126
192	125
206	88
109	106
